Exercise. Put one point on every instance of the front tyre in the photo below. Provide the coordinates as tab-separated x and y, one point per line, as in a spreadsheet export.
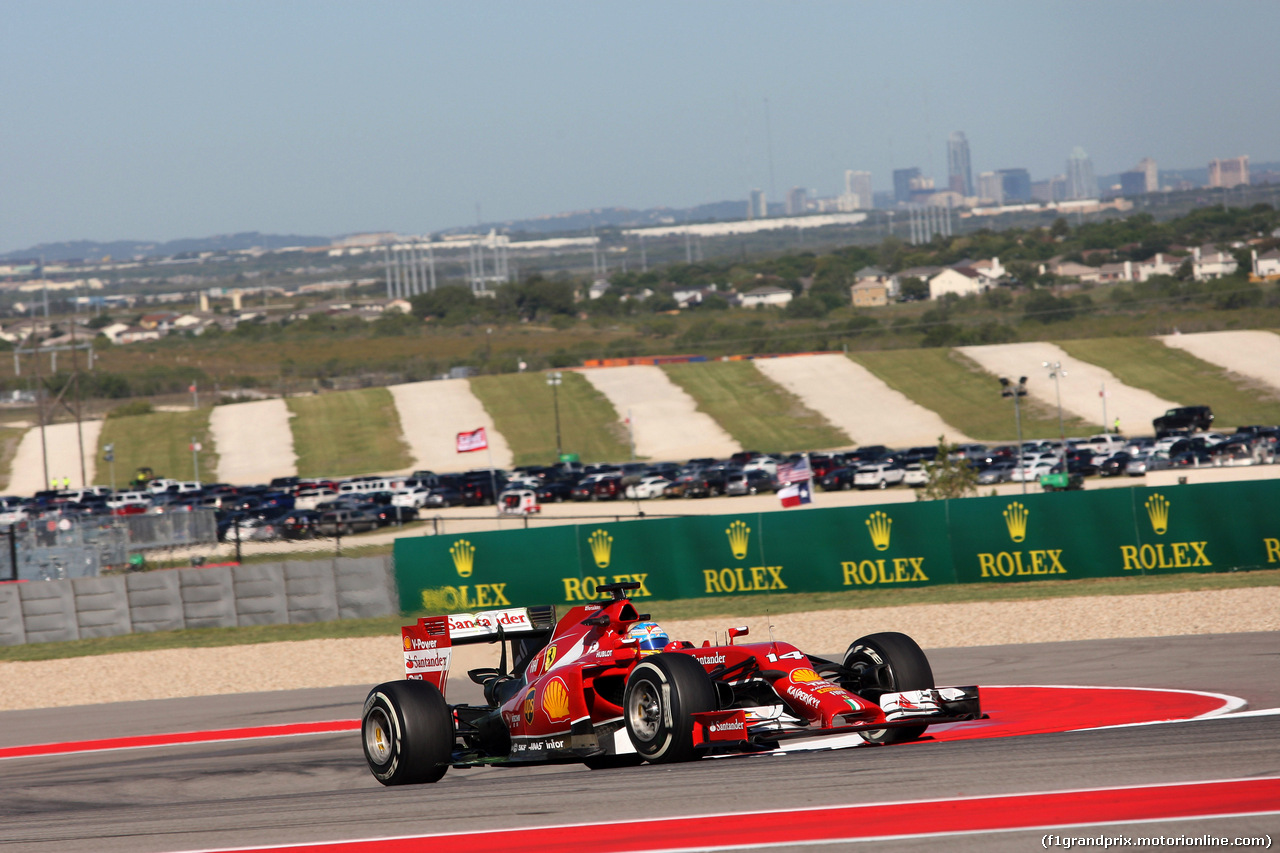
888	662
663	692
407	730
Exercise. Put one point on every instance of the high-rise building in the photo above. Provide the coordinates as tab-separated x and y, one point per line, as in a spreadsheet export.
1229	173
959	174
1133	183
1054	189
1080	180
902	179
857	191
991	187
1015	184
797	201
1150	174
757	205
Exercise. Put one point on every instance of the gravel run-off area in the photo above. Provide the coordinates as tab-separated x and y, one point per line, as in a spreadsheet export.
1253	355
1080	386
254	441
431	416
371	660
665	421
60	448
857	401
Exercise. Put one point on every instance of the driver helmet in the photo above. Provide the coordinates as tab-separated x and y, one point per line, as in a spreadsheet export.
651	637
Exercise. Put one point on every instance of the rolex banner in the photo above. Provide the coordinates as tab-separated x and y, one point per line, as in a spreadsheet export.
1036	537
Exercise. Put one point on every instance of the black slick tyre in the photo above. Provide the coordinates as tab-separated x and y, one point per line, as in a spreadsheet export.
662	693
407	731
888	662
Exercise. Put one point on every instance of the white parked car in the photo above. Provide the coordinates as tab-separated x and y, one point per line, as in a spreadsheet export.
411	499
312	498
915	475
647	488
1030	473
878	476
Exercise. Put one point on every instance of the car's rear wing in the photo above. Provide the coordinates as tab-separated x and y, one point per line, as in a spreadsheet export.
428	644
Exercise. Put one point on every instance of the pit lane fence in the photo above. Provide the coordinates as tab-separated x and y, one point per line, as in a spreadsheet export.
995	540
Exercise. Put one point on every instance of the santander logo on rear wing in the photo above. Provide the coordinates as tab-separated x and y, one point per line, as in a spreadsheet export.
428	645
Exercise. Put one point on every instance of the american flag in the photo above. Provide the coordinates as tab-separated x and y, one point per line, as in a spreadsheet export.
794	472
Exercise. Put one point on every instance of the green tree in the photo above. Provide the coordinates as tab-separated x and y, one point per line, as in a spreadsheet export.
948	478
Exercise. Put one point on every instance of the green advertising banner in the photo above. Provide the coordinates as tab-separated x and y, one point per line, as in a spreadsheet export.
1055	536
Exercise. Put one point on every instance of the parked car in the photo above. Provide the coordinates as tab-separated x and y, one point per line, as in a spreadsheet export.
750	482
1115	464
1190	418
997	472
444	496
414	498
1140	465
879	476
915	475
838	479
344	522
648	487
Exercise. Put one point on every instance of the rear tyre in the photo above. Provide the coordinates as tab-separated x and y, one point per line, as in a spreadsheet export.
663	692
888	662
407	729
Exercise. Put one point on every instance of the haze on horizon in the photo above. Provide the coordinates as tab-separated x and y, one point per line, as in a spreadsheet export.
151	120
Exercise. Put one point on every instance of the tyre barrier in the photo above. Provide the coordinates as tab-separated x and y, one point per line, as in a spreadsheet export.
293	591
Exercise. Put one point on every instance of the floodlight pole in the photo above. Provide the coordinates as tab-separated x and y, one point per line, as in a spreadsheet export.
553	379
1055	372
1008	389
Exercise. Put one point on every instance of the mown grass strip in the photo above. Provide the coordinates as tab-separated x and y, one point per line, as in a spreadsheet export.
160	441
964	395
759	414
728	607
348	432
1175	374
523	411
10	438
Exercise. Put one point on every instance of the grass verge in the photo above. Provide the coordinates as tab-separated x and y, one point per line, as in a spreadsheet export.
160	441
1175	374
667	611
10	438
756	411
348	432
963	394
523	409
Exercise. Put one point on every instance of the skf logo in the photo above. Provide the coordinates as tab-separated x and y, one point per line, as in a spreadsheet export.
601	544
1015	518
464	557
878	525
738	534
555	700
1158	512
529	706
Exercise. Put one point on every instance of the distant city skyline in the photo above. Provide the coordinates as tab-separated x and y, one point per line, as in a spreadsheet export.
142	119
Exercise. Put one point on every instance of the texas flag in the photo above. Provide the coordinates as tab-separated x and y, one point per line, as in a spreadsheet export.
474	440
796	494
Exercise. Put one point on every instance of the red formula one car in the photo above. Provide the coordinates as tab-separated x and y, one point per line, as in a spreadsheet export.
606	687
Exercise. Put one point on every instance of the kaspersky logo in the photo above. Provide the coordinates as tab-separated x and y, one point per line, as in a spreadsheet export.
1158	512
879	526
601	544
1015	518
741	578
738	534
464	557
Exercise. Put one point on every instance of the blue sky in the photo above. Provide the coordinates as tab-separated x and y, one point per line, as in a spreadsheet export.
159	120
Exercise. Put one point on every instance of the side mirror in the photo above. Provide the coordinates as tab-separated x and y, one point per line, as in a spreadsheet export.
734	633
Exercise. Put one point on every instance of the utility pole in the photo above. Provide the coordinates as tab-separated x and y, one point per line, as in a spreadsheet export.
1008	389
554	379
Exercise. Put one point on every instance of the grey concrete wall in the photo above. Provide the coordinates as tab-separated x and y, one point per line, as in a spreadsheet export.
214	597
208	597
366	587
48	611
12	630
260	596
311	591
102	606
155	601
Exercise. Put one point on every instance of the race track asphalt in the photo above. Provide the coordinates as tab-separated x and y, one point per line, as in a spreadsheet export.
317	788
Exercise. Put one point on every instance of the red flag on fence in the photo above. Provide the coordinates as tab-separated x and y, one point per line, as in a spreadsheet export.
474	440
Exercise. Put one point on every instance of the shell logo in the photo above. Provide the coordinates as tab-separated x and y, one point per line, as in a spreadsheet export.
555	700
800	676
408	644
529	706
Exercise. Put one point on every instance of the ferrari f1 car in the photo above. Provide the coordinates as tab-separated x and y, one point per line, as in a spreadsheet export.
606	687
